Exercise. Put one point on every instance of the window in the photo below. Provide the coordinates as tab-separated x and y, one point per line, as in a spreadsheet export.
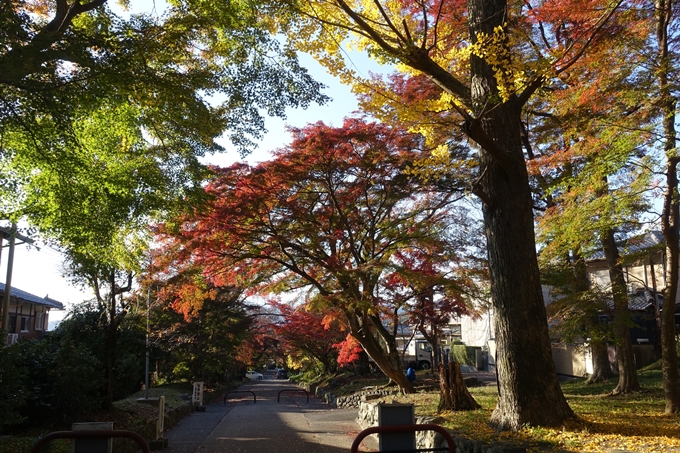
12	323
40	321
456	332
423	346
25	323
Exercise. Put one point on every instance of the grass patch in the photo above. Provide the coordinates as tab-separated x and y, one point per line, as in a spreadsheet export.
172	400
632	422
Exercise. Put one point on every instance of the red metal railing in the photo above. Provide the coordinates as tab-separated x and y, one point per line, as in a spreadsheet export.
91	434
405	428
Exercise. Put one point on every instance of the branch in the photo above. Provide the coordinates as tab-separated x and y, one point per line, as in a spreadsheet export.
374	35
414	57
65	14
535	84
436	25
540	27
474	130
128	287
387	19
477	190
601	22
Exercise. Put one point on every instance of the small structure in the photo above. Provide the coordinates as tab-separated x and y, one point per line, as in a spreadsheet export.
197	397
101	445
396	414
28	314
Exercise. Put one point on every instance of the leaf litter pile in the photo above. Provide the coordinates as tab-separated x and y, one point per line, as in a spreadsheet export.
634	422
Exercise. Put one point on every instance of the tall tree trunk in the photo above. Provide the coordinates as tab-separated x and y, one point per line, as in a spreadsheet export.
602	370
670	217
453	394
432	337
530	392
628	381
389	361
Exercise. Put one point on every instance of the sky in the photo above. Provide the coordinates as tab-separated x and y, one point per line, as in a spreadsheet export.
38	270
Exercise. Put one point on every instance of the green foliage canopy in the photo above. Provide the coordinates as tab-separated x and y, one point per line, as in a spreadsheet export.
103	119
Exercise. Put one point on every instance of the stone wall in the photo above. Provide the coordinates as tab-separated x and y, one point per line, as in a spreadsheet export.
368	416
348	401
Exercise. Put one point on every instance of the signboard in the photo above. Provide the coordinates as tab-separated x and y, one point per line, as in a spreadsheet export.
102	445
197	397
396	414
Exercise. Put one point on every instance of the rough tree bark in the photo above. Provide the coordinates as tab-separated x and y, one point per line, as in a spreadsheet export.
602	370
628	380
362	367
364	329
670	217
114	320
111	343
529	389
453	394
432	337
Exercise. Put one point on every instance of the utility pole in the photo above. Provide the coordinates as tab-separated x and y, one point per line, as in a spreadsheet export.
8	280
12	235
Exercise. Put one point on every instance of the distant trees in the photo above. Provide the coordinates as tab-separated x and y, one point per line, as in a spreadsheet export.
76	368
203	346
311	335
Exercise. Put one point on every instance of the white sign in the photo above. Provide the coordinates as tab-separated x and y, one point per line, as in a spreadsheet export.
197	397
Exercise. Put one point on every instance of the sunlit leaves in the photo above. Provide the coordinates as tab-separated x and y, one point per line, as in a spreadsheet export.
305	334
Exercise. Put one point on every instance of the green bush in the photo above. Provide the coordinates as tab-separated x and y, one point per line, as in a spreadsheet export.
13	387
60	380
47	383
87	327
465	355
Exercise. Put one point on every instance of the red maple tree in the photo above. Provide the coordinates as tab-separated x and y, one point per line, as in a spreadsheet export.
330	215
310	334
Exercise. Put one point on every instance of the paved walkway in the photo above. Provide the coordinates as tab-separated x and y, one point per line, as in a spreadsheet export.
242	426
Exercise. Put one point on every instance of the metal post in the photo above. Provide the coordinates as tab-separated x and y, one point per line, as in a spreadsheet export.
146	375
8	281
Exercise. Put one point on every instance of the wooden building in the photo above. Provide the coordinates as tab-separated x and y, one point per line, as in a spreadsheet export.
28	314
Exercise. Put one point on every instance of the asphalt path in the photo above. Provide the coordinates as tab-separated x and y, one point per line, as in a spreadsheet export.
290	425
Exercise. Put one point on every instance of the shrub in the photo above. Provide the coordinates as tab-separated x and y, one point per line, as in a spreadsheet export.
465	355
12	387
60	380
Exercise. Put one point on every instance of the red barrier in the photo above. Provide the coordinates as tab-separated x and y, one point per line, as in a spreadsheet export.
404	428
91	434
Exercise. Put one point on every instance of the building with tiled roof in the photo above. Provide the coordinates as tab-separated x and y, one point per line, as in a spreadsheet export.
28	313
